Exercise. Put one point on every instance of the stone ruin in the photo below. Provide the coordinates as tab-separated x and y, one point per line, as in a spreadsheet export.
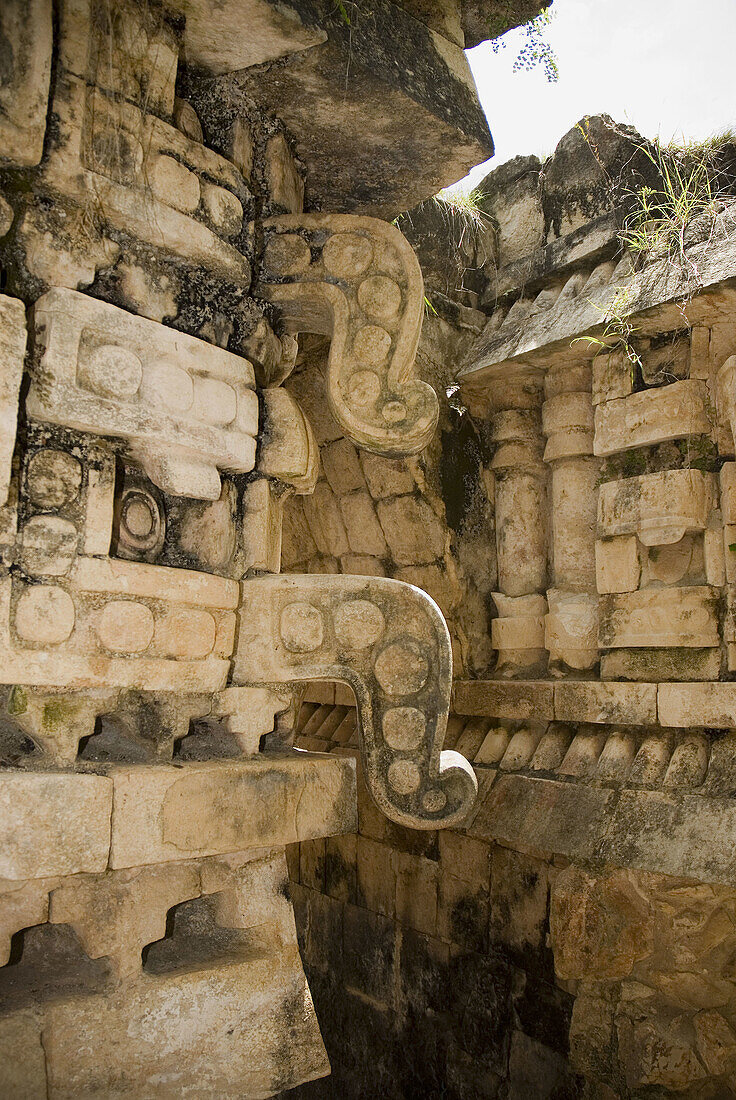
368	589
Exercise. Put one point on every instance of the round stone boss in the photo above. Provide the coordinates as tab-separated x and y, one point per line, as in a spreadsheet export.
111	371
53	478
301	627
379	298
358	623
400	669
125	626
347	255
287	254
44	614
404	728
404	776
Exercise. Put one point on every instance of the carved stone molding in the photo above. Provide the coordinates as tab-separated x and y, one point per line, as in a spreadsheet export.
358	281
389	641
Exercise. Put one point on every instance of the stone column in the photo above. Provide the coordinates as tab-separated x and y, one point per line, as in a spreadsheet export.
571	627
521	529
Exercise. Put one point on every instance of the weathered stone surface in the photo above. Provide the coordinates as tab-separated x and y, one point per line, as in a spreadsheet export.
531	699
600	925
617	564
674	617
23	1072
12	351
229	1042
166	813
416	98
658	508
53	824
707	704
653	416
618	704
26	31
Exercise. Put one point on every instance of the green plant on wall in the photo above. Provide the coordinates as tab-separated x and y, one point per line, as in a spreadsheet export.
535	52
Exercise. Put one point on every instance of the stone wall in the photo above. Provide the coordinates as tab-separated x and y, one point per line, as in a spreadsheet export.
575	937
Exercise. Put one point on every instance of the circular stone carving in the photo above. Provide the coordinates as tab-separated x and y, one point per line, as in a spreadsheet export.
53	478
403	728
434	800
404	776
166	383
393	412
287	254
112	371
371	345
140	520
44	614
125	626
399	670
358	624
379	297
364	388
301	627
347	255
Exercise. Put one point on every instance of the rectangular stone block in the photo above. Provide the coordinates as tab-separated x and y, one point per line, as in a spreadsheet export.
617	565
53	823
675	834
660	508
652	416
216	1030
186	407
167	813
619	704
706	704
566	818
496	699
12	351
650	665
27	35
613	376
22	1058
660	617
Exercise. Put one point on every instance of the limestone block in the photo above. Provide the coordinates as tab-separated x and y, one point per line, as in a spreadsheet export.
414	533
342	467
360	284
285	184
128	52
518	632
53	824
221	1026
325	521
27	34
68	637
12	351
672	617
728	491
617	704
288	449
581	759
361	525
652	416
438	581
22	1057
655	1042
674	833
22	904
530	699
617	564
571	628
613	376
567	421
118	915
659	508
565	818
573	493
386	477
250	712
389	642
600	925
263	513
125	161
185	408
161	814
521	527
705	704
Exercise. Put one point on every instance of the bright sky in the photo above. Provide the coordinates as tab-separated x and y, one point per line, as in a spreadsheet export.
664	66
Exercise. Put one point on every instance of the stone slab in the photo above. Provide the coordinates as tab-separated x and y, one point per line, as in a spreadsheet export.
167	813
679	617
624	704
53	823
565	818
26	32
652	416
498	699
675	834
215	1032
12	351
704	704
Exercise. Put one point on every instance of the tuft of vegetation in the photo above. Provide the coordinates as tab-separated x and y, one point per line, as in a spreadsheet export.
535	51
461	211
